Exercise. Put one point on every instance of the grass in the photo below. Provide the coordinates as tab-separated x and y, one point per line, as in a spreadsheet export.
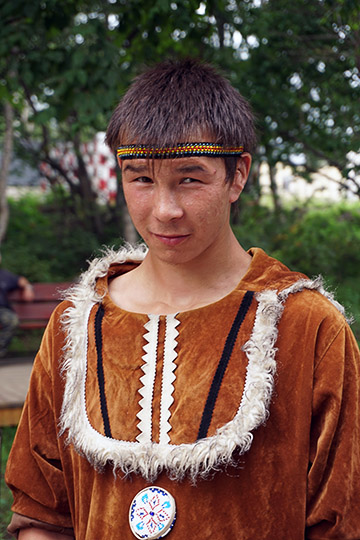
7	436
26	342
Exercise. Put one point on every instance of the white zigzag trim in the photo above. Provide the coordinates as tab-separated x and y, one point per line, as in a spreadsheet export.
148	380
168	377
150	459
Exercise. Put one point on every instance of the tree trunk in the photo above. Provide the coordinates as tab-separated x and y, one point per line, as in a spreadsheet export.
91	211
5	165
274	190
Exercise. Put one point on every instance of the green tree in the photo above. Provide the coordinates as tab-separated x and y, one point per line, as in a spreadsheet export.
302	76
65	63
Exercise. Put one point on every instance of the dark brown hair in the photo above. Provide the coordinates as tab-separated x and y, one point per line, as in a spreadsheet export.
176	99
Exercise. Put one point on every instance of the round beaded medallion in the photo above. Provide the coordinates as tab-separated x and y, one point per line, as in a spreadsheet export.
152	513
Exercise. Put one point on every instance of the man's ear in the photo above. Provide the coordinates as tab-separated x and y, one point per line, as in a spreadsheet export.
241	175
119	161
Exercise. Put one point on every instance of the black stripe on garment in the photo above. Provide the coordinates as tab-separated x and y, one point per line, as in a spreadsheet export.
100	370
224	360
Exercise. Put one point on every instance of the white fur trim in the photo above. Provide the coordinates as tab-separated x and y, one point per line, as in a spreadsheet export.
316	284
168	377
148	380
150	459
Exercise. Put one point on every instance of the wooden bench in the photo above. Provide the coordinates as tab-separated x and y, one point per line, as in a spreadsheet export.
35	314
15	372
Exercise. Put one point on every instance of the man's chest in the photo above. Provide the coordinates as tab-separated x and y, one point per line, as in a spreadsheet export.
166	379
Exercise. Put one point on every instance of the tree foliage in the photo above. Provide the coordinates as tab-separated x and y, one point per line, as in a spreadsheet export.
65	63
303	80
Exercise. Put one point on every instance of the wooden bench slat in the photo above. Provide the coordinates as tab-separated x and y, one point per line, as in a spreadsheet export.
43	292
31	310
35	314
33	325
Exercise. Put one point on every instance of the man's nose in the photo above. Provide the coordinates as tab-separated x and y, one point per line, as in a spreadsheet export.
166	205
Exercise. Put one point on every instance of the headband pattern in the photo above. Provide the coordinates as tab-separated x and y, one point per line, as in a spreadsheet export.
138	151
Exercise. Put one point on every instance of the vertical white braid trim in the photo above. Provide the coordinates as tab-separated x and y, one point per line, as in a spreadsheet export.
148	380
168	377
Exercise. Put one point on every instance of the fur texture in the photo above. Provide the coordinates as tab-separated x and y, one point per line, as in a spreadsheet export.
150	459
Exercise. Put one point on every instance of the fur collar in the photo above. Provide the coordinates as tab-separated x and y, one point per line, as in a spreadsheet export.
150	459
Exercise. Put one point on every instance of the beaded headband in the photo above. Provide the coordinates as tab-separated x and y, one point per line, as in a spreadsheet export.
138	151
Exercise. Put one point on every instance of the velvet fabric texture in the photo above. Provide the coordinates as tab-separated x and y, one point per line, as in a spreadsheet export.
300	477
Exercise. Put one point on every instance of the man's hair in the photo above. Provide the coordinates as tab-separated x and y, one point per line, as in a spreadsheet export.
176	100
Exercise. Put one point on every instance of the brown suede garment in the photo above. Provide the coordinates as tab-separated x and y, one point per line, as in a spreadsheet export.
300	478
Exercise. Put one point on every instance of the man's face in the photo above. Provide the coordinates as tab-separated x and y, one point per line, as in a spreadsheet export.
180	206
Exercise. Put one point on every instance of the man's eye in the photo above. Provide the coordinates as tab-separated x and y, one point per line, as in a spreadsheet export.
189	180
143	180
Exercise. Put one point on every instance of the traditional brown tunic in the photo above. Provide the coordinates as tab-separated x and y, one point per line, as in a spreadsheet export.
245	410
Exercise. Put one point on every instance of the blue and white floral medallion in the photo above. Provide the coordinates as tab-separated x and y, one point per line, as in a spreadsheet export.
152	513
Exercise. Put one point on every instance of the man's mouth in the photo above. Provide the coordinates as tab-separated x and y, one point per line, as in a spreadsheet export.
171	239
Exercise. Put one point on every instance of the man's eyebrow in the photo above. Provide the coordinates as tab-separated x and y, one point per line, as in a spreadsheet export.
135	168
191	168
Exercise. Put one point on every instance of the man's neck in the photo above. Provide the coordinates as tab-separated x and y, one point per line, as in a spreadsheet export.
157	286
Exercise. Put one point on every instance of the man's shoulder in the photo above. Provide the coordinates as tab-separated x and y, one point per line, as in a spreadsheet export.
268	273
93	283
300	294
312	299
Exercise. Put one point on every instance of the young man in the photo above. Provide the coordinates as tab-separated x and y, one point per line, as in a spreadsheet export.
189	388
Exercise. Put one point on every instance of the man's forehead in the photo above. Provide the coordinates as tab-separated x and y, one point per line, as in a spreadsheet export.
181	165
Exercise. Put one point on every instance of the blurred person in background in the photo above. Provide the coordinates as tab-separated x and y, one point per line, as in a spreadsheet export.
8	318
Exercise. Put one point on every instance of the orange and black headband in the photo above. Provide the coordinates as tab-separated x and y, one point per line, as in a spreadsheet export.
138	151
